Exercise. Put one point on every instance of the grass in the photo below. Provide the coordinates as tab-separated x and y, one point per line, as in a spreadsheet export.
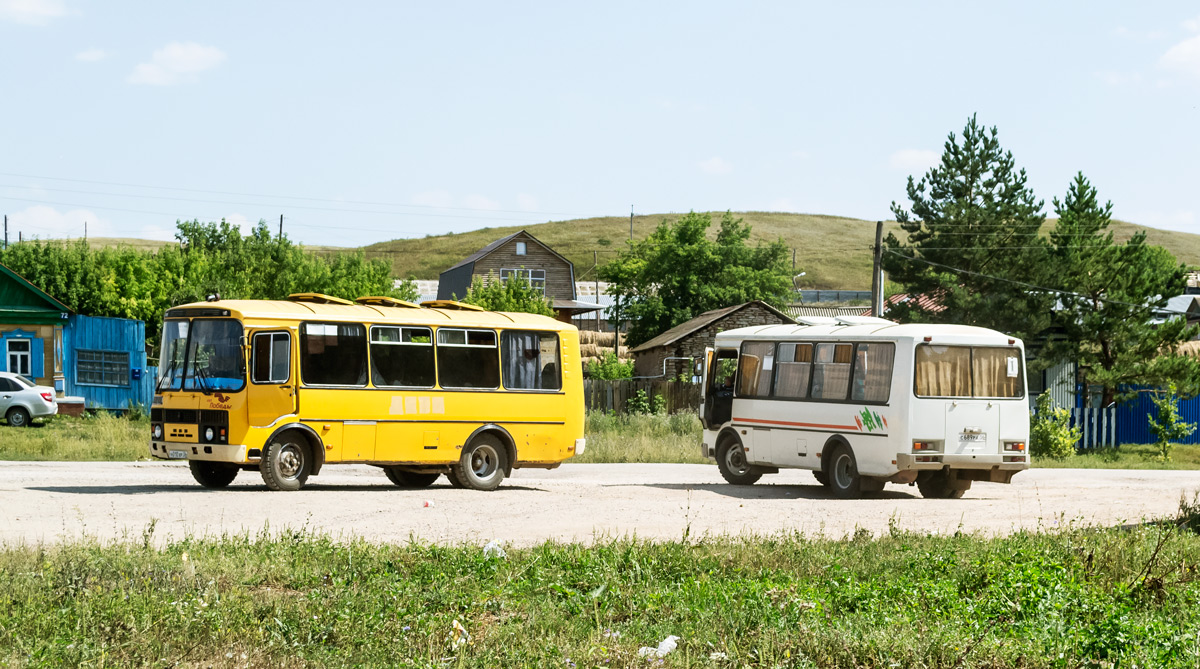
642	438
102	436
1080	597
1128	456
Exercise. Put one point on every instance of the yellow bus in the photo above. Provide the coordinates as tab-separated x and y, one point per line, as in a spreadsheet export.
287	387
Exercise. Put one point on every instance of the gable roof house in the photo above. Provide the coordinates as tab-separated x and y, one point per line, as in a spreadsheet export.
521	256
100	362
690	338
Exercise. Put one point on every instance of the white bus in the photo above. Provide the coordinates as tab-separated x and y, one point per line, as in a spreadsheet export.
863	401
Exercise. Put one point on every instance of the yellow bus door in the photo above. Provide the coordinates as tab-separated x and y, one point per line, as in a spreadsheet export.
272	391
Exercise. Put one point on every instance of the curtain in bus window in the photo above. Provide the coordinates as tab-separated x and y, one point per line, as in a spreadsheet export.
795	368
997	372
467	358
333	354
943	371
831	371
758	362
530	360
872	372
402	357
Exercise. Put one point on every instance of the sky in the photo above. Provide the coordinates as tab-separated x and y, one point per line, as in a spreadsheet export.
360	122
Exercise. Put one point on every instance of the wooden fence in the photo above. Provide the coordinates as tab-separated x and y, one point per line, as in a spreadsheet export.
1099	427
599	395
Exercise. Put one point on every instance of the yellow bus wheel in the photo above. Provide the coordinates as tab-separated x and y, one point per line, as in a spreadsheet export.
286	462
407	479
482	464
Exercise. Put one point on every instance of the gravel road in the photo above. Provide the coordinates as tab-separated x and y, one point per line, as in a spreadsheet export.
52	501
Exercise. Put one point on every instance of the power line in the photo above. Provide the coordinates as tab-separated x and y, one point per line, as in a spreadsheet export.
278	197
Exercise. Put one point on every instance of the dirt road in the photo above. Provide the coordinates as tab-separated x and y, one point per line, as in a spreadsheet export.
53	501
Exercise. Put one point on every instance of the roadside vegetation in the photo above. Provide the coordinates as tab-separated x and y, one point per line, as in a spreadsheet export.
1079	597
94	437
645	437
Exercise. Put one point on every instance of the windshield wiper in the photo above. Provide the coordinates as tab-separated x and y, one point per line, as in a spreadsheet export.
201	375
170	370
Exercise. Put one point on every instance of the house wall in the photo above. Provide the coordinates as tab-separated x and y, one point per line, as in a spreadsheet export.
42	356
108	334
650	362
559	282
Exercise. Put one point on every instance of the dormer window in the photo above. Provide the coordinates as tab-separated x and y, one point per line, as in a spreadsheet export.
520	248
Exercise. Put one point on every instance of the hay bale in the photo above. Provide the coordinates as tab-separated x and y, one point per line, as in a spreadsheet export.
589	350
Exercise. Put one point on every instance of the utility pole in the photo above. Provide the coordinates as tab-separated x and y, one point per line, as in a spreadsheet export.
85	231
631	224
877	273
6	231
793	261
281	226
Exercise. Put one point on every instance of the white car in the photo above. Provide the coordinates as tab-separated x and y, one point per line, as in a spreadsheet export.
22	401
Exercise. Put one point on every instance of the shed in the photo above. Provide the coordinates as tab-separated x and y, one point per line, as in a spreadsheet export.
689	339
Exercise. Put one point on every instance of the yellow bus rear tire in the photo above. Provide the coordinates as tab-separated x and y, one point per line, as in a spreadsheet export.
482	464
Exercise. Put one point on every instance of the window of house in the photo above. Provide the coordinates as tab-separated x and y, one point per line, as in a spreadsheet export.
520	248
831	371
794	370
755	369
402	357
271	358
19	354
873	372
534	277
102	368
530	360
333	354
467	358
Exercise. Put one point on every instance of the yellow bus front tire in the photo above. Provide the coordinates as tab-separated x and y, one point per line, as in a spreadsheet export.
286	462
213	475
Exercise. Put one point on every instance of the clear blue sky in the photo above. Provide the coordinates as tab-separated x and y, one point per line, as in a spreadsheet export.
454	116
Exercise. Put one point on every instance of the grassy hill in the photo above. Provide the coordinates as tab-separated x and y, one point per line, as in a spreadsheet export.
834	251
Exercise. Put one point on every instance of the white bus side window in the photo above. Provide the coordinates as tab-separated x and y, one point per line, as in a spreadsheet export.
873	372
756	369
795	369
942	371
831	372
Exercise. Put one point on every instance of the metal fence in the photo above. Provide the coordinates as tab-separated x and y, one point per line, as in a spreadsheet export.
601	395
1133	422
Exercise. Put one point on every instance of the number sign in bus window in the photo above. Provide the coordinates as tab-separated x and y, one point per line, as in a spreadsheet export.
333	354
271	358
831	371
467	358
872	372
530	360
402	357
756	368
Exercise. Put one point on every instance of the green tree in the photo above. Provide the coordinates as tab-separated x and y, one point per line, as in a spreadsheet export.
972	243
1166	423
609	367
495	294
1111	300
678	273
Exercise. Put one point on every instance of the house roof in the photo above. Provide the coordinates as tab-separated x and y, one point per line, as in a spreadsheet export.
22	302
700	322
470	260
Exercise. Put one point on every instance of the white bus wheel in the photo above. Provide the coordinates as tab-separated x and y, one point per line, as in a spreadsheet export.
821	477
937	485
286	462
735	468
842	472
482	464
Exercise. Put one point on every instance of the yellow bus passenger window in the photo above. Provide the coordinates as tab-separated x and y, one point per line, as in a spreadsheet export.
333	354
467	358
531	360
402	356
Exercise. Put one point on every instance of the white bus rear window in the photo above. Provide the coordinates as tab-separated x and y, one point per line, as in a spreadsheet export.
963	371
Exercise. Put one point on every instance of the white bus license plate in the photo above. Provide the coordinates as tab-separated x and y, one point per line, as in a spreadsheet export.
972	437
177	455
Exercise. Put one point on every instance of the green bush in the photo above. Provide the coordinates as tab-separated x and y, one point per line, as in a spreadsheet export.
1165	423
609	367
1050	431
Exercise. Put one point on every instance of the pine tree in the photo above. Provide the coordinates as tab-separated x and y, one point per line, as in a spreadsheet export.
1109	311
972	246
